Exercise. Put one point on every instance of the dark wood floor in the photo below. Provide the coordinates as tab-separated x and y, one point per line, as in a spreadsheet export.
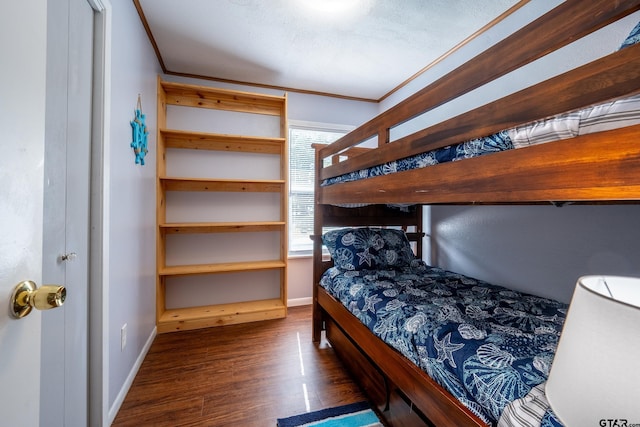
241	375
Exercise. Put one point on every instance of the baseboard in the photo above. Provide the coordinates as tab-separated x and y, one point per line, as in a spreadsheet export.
299	301
113	411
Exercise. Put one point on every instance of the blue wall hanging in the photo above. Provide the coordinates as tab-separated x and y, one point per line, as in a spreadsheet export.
140	133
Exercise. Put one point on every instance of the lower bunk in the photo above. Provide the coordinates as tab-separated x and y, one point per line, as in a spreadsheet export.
432	347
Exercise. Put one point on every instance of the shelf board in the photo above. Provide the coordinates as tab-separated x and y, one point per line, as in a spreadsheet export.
222	142
233	185
181	319
221	99
222	267
221	227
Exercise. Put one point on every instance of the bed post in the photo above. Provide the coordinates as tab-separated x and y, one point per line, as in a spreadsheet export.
409	219
317	248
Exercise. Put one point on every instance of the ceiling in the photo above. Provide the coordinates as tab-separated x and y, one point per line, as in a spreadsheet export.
363	49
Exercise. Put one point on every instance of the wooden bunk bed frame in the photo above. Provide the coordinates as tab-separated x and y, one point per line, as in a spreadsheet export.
596	168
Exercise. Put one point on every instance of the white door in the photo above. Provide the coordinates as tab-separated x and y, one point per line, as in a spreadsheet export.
63	394
22	130
46	74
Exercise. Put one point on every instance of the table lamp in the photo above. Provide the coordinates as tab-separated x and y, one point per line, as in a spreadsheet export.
595	375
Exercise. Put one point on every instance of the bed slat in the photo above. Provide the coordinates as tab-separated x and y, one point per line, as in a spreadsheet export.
607	165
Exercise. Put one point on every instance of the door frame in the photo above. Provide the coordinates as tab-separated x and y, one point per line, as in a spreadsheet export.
68	134
98	399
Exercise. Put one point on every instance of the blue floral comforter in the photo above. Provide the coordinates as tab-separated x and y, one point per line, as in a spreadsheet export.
487	345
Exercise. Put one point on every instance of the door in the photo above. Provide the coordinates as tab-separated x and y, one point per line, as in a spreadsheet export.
22	131
64	385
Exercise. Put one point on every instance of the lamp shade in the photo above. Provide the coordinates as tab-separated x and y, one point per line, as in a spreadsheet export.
595	373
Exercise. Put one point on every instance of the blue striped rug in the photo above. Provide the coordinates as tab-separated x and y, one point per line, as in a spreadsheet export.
354	415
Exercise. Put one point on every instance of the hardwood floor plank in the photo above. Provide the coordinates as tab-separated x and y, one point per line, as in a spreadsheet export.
245	375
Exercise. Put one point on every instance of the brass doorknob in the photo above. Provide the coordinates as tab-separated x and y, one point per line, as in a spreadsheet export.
27	296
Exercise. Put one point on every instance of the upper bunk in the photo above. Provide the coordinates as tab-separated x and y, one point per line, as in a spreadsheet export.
588	168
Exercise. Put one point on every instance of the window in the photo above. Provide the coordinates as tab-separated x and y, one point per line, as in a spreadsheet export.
301	175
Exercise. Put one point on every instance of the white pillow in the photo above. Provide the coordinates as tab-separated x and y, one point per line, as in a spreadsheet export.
547	130
612	115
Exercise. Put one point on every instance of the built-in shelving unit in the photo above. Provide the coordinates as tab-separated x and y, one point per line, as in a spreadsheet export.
201	316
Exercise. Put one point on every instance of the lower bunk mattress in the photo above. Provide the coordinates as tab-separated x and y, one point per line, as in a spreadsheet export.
489	346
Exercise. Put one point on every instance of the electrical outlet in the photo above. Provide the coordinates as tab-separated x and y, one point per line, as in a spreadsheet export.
123	337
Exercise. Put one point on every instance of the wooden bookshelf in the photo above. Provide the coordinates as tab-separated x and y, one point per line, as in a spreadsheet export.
201	316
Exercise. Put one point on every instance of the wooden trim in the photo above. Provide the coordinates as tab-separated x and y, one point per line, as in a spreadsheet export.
147	29
267	86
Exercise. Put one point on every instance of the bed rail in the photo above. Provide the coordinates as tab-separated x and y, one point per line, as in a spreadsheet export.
610	77
561	26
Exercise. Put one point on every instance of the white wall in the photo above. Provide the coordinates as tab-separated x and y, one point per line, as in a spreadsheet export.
540	249
131	268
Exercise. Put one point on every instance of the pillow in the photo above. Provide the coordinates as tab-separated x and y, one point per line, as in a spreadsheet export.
368	248
546	130
611	115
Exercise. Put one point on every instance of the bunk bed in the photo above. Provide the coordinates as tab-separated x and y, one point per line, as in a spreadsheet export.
361	190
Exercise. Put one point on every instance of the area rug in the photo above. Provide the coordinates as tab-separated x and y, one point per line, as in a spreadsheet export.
354	415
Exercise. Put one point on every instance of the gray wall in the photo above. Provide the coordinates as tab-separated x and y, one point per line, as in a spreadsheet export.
539	249
131	213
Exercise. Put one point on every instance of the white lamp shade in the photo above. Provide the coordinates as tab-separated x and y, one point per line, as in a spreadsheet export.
595	373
